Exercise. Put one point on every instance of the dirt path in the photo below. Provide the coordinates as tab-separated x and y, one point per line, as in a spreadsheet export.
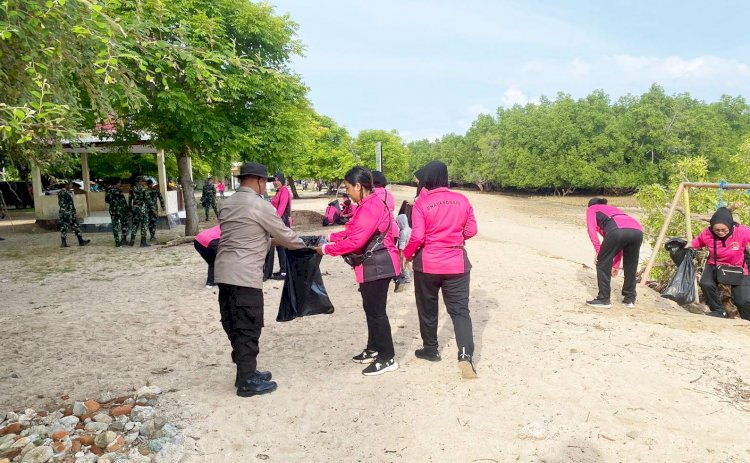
649	384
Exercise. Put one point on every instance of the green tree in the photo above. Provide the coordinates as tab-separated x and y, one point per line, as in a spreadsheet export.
395	154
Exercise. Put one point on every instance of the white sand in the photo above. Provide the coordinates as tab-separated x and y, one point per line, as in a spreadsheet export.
648	384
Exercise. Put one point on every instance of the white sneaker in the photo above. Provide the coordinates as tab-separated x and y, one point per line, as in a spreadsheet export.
209	287
630	305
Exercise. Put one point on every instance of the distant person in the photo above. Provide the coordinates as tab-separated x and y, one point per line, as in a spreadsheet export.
442	221
208	197
403	219
282	202
379	184
247	223
220	189
207	243
622	238
67	215
726	241
138	204
154	196
347	208
118	212
370	233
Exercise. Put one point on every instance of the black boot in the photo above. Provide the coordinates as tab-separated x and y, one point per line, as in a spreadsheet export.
153	238
264	375
250	384
63	242
124	240
132	241
81	241
118	243
144	244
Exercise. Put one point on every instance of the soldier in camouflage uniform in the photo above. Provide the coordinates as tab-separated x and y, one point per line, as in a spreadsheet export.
68	217
153	196
208	197
138	203
118	211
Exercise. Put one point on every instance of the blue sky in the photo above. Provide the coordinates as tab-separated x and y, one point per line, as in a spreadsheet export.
428	68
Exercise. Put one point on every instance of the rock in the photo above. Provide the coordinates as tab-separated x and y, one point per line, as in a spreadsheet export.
130	438
38	455
148	392
142	413
66	423
96	427
4	460
21	443
79	408
27	448
87	440
13	428
102	418
58	447
2	416
11	416
116	444
169	430
59	435
121	410
12	453
159	421
7	440
156	444
106	397
148	429
534	430
134	456
103	439
39	430
75	446
117	426
129	426
92	406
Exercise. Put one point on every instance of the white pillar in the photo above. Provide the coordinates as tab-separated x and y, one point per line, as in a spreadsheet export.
162	177
85	172
36	185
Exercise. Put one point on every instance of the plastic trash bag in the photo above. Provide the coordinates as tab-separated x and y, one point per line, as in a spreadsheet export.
304	293
676	249
681	287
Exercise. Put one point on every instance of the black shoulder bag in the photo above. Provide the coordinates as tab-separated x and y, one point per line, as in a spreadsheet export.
373	246
727	274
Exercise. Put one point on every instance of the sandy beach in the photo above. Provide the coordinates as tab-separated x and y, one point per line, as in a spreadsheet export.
558	381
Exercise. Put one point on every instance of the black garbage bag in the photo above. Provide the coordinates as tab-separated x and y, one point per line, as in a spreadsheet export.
268	264
304	293
676	248
681	287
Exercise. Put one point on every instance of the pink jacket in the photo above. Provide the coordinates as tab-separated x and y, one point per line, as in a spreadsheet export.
603	218
729	251
442	220
387	196
206	236
281	200
369	218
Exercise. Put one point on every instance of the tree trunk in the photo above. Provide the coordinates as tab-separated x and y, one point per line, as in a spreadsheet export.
295	195
188	193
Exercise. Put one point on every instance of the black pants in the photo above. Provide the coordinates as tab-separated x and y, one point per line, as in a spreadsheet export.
627	240
374	300
456	298
209	255
740	294
242	319
281	251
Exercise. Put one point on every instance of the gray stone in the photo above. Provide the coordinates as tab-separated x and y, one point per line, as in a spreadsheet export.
11	416
130	438
27	448
117	426
96	427
38	455
156	444
169	430
21	443
41	431
68	423
159	421
103	418
106	397
148	392
142	413
2	416
79	408
129	426
104	439
148	429
134	456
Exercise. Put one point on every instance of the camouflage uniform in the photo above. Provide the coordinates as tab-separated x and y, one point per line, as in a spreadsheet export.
153	195
118	211
208	198
138	203
68	217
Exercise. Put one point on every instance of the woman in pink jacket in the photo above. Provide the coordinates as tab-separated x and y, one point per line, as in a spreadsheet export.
622	238
726	241
371	231
442	220
207	244
282	202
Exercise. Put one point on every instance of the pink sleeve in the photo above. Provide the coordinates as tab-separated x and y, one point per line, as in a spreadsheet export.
358	234
592	228
417	232
470	228
699	241
337	236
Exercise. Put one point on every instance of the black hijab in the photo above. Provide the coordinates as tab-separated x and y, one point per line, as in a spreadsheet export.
420	179
724	217
435	175
378	179
595	201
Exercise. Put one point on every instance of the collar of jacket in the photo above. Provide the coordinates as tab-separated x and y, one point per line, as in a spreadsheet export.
436	190
247	189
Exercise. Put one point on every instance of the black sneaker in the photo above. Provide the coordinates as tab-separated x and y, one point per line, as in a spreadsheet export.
367	356
717	313
278	276
629	303
380	366
466	364
601	303
427	354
